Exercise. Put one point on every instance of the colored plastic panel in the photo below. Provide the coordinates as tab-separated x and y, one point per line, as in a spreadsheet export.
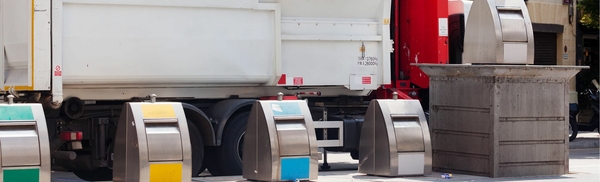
165	172
21	175
16	113
294	168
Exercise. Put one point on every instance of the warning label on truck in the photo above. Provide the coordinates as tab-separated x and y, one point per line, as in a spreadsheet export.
298	81
57	71
367	61
443	26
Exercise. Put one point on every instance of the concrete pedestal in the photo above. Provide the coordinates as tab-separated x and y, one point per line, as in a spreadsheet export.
499	120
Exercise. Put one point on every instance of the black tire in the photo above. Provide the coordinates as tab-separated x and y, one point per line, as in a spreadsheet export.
573	128
354	154
100	174
211	161
229	158
202	168
197	146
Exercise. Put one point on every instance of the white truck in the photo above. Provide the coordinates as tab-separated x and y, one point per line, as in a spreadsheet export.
82	59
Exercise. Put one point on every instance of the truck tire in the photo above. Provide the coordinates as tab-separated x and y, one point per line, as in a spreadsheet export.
210	161
202	168
100	174
572	128
229	154
197	146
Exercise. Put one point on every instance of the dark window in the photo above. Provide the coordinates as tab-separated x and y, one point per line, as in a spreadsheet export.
545	48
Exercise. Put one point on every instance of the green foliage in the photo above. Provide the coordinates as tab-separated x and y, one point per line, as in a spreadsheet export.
589	12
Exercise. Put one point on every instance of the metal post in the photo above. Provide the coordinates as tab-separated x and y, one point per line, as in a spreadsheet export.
153	98
325	165
10	99
100	141
395	95
279	96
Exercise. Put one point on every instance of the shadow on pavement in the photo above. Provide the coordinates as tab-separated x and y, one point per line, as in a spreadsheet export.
533	178
584	154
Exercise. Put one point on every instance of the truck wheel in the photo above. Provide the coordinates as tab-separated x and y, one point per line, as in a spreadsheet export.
202	168
572	128
354	155
197	146
211	161
100	174
229	154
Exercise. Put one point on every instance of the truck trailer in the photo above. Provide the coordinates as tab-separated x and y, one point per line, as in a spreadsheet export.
83	59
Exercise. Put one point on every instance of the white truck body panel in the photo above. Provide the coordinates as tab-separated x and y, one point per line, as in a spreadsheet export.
118	49
25	38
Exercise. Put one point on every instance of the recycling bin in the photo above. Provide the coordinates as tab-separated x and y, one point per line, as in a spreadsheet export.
394	139
280	142
152	143
24	147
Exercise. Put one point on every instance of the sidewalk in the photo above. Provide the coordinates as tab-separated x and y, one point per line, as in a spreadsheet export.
584	165
586	139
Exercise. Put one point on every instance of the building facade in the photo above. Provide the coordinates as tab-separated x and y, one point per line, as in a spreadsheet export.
554	27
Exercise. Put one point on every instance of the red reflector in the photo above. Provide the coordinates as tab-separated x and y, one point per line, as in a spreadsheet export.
71	135
366	80
282	80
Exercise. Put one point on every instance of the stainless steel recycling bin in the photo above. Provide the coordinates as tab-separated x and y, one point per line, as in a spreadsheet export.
24	148
280	142
395	140
152	143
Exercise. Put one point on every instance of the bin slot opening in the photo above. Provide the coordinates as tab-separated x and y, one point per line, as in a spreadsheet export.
20	145
409	134
290	126
508	8
404	117
293	138
405	121
289	118
162	120
406	124
14	123
164	142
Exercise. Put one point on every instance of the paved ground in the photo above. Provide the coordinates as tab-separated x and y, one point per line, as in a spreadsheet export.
584	165
586	140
